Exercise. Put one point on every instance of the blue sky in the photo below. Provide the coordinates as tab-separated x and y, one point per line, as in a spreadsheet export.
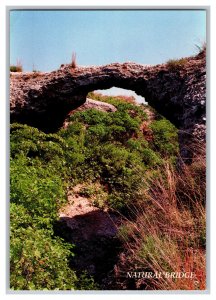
46	39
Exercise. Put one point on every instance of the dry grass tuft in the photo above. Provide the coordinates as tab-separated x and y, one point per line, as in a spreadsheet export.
168	233
176	64
18	67
73	62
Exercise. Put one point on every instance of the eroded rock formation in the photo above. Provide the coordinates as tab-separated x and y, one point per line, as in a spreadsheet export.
177	91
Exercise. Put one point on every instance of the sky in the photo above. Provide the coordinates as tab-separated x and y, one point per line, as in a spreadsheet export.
44	39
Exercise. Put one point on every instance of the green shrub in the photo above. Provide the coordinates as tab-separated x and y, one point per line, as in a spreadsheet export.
39	262
122	171
116	201
88	191
96	133
150	158
91	117
46	149
136	144
40	190
19	217
119	125
38	173
165	137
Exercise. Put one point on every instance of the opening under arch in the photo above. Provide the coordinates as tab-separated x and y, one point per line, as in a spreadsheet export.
116	91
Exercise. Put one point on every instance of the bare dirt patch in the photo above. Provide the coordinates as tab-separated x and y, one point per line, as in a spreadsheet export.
93	231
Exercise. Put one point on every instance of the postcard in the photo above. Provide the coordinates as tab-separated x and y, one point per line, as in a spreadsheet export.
107	149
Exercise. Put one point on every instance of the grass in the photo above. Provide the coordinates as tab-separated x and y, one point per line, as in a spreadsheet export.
176	64
201	47
17	68
73	62
168	232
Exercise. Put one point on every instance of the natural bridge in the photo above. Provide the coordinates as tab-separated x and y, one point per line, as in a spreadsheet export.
176	90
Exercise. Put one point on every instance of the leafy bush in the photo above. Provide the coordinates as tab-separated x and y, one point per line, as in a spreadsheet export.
88	191
165	138
38	189
38	261
19	217
44	149
149	157
101	126
96	193
122	171
91	117
38	172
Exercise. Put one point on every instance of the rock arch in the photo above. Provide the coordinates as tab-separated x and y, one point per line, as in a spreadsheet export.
177	90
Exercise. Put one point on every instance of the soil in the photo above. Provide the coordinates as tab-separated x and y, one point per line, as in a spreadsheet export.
94	233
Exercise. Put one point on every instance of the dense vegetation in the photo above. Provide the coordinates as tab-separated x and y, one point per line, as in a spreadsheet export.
109	149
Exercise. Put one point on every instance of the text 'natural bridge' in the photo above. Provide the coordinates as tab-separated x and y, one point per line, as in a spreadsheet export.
176	91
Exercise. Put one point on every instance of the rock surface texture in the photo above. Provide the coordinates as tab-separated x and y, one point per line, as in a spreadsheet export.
102	106
177	91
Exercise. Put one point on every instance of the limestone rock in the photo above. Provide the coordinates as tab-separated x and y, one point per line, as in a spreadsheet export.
99	105
44	100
